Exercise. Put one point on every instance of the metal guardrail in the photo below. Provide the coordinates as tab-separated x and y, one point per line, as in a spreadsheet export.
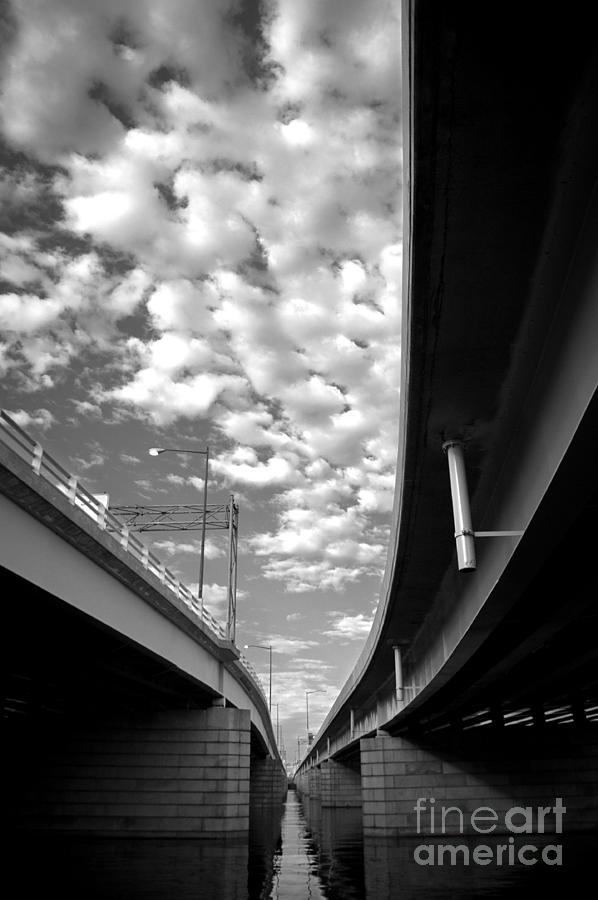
42	464
249	668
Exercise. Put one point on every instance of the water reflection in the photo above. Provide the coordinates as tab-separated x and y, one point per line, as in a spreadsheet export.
337	833
288	858
391	872
174	868
295	875
353	866
102	868
265	846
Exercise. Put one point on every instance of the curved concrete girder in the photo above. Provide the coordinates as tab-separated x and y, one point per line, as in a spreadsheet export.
52	544
500	168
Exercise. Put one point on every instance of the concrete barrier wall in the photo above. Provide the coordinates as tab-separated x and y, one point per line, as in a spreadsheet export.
171	773
406	783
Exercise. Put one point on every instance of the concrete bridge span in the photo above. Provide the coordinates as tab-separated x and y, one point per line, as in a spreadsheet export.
127	709
499	353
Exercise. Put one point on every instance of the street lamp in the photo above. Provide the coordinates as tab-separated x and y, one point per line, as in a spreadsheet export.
265	647
156	451
307	693
300	741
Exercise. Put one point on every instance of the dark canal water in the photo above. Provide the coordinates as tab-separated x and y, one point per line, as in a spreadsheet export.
287	859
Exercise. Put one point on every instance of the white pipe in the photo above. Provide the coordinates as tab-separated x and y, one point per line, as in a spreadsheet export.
464	535
398	673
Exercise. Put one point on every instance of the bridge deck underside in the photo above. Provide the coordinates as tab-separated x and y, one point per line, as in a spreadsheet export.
500	253
59	662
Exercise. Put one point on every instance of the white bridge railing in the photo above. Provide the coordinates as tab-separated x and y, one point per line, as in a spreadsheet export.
42	464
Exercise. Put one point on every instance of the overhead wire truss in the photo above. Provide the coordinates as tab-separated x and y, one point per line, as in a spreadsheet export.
190	517
175	517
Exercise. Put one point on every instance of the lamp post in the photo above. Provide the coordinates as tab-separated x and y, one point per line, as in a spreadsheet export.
156	451
300	741
265	647
307	693
277	731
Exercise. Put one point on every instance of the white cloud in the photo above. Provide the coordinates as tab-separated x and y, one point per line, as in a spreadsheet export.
299	577
40	418
78	306
173	547
215	598
173	352
310	401
289	686
256	428
309	664
89	410
242	270
129	459
27	313
298	133
165	399
277	470
351	627
290	645
95	458
128	294
287	646
62	49
184	306
6	363
332	534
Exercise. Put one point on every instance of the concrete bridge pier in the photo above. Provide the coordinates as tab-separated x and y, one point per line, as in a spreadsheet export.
332	784
309	788
488	781
268	790
268	782
340	784
169	773
433	785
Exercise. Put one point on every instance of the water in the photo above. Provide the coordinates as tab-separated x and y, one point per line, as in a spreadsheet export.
354	866
392	873
295	871
294	853
336	839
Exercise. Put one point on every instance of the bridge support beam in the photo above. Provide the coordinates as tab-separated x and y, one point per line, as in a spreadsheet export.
176	773
408	785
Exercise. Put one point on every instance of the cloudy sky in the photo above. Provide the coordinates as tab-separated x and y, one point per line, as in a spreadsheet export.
201	245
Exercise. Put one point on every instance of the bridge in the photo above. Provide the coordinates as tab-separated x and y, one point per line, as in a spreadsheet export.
128	708
478	684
